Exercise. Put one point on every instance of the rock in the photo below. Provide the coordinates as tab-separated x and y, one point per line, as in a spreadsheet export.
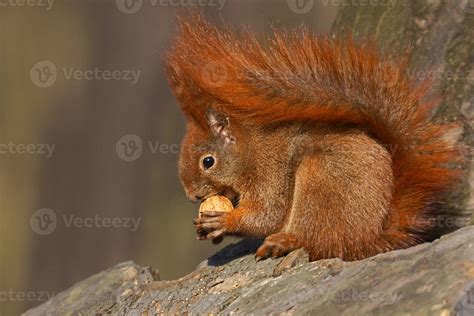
293	259
429	279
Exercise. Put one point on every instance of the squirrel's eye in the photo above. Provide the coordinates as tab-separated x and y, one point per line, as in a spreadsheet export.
208	162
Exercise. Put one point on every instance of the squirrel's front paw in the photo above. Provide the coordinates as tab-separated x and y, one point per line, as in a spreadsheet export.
211	225
277	245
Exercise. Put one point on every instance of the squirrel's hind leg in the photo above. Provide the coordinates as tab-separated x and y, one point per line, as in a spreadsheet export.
341	198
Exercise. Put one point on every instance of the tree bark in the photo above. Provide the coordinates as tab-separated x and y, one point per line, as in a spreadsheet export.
422	280
441	36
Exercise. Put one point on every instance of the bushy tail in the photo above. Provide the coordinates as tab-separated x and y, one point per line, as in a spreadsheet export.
295	75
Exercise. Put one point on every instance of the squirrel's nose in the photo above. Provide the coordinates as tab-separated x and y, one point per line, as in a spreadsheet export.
196	198
198	194
193	197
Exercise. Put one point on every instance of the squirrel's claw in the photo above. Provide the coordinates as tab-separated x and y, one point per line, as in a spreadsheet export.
216	234
277	245
218	240
259	258
210	226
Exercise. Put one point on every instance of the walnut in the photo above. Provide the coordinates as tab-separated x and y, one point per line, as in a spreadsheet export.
216	203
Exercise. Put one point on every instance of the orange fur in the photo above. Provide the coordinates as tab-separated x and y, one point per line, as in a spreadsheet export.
295	76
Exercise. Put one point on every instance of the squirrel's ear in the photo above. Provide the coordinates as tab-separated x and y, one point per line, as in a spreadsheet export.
219	126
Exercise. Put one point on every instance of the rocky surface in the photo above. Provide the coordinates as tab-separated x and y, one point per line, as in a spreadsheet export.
430	279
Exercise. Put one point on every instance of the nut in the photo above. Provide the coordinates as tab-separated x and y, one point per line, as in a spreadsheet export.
216	203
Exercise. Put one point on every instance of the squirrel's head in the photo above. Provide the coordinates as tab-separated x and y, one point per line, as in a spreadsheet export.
211	158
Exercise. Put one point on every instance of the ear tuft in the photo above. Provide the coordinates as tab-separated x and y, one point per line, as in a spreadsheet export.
219	126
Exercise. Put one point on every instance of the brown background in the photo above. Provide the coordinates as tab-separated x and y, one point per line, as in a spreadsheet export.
84	120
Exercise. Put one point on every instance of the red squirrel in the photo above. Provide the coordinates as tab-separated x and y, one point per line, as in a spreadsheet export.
320	143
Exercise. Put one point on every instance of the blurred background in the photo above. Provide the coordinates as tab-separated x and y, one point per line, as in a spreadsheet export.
89	137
